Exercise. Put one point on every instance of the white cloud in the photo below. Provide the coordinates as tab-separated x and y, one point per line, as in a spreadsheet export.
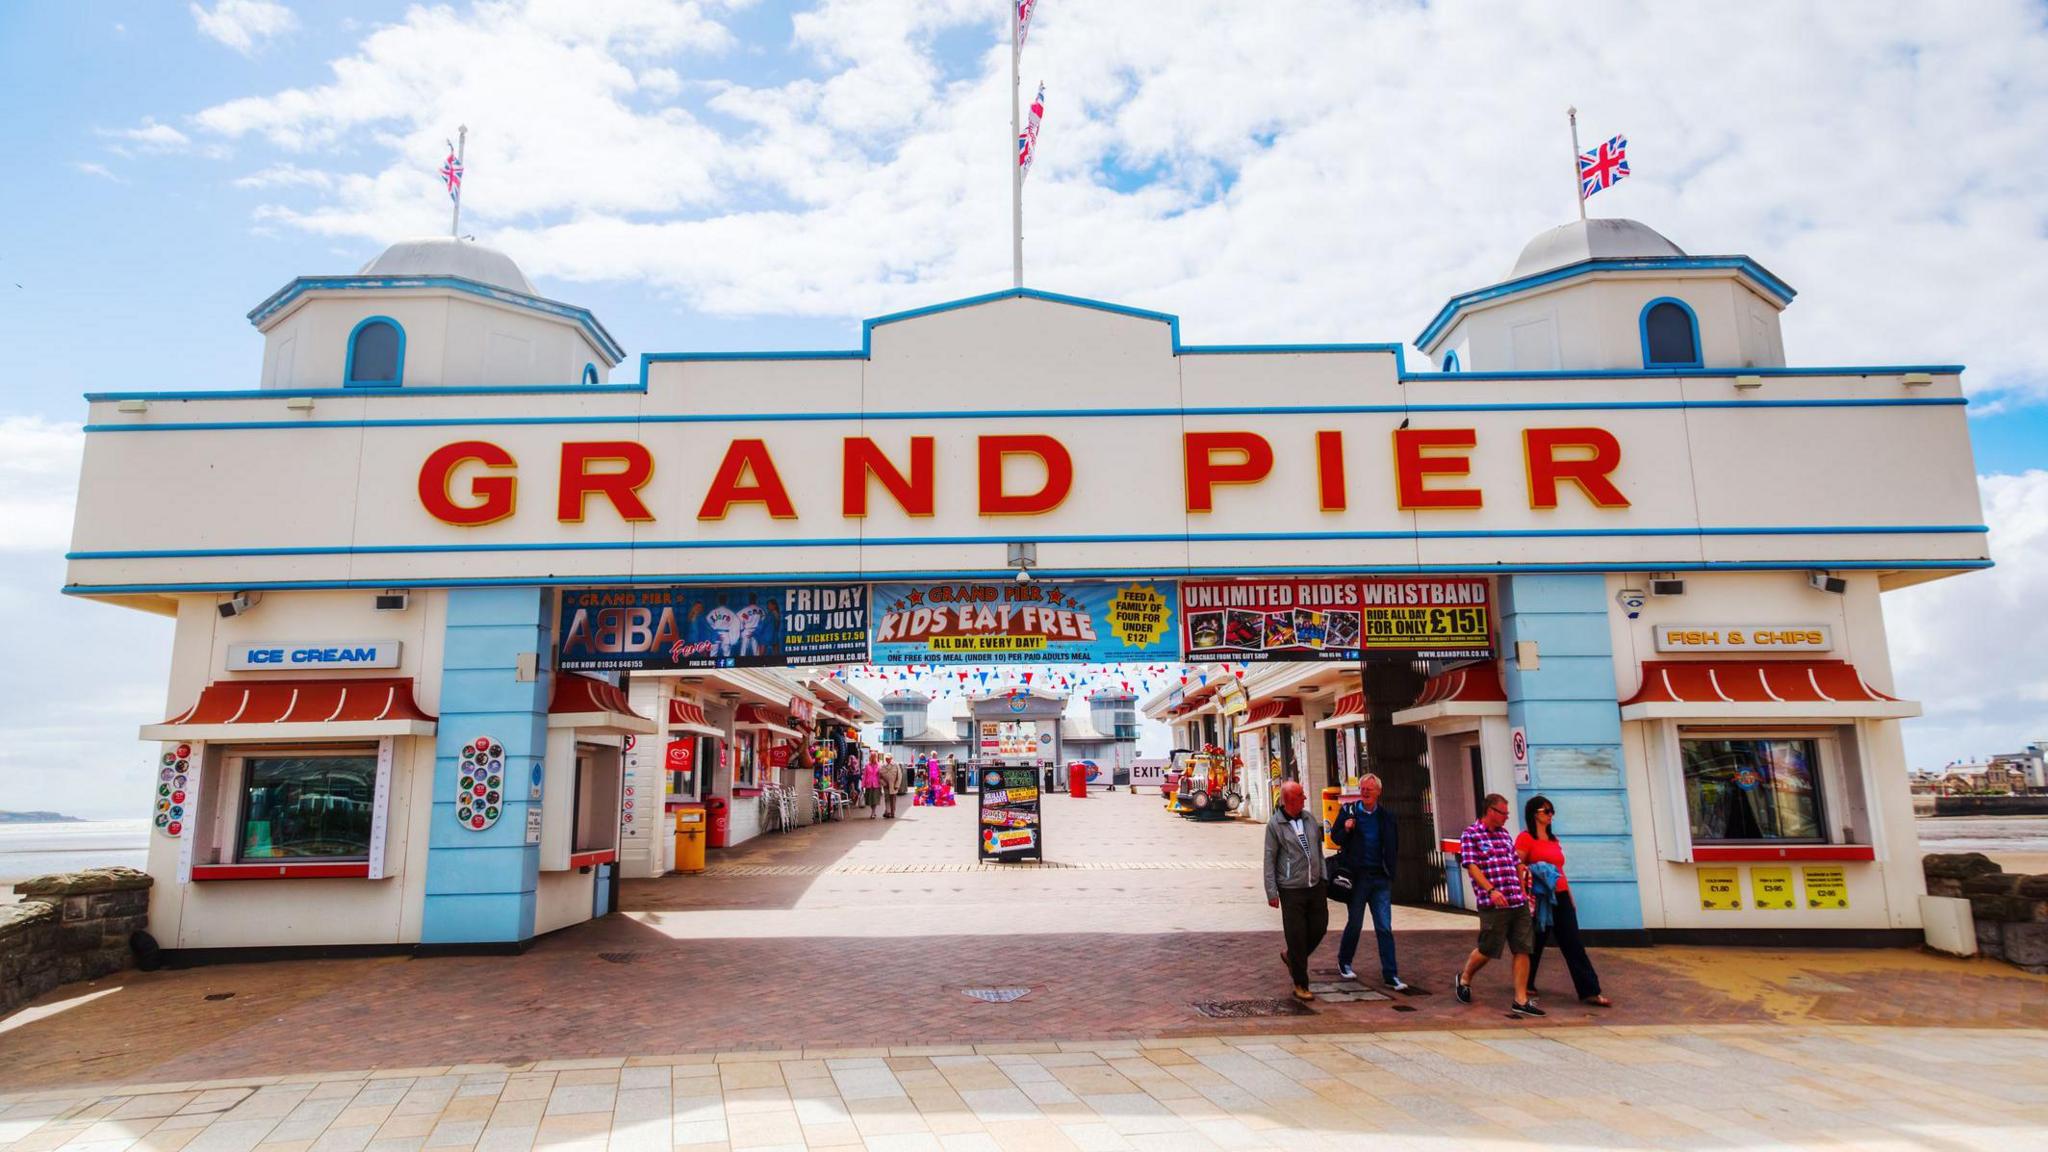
286	176
1317	169
39	462
100	170
1974	649
149	136
244	24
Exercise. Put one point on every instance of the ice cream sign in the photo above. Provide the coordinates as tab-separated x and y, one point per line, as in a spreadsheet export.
311	655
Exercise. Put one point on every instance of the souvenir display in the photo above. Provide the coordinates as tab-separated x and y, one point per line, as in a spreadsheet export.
173	786
480	787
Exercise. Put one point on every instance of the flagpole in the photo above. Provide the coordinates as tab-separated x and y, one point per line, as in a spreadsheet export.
455	218
1577	189
1016	166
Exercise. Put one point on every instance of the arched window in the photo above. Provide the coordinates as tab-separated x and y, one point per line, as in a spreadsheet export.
376	354
1451	361
1671	334
590	373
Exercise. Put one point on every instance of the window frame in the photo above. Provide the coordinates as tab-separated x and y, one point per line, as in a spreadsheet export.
1450	361
589	373
746	761
1829	784
1643	332
240	757
348	364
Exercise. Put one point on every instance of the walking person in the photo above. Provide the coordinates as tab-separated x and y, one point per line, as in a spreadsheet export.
1368	843
892	783
871	785
1294	881
1501	883
1557	916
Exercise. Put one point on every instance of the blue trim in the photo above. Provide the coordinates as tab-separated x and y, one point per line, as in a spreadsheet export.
1691	317
304	284
1450	364
1866	370
1741	264
552	581
589	374
1024	413
348	363
1138	538
431	390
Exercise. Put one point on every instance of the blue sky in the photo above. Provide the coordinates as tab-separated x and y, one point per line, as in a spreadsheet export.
719	174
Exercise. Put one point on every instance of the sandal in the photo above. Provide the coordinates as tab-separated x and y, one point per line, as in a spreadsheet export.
1597	1001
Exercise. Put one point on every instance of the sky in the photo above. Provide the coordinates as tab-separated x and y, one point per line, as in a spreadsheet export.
718	174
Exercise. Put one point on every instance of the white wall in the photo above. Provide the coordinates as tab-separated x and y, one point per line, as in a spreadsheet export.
451	339
1594	323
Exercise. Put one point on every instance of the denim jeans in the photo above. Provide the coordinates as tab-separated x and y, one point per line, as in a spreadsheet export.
1378	893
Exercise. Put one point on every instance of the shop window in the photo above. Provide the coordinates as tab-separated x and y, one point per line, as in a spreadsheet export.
1753	788
376	354
305	804
746	763
594	812
1671	335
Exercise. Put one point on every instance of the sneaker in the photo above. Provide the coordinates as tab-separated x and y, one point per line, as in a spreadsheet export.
1345	971
1396	983
1528	1009
1463	990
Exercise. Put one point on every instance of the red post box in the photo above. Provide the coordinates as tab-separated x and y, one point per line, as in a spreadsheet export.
1077	781
719	813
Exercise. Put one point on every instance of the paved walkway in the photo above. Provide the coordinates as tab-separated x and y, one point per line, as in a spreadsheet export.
1665	1088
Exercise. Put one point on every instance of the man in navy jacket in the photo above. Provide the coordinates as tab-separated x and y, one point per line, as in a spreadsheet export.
1368	842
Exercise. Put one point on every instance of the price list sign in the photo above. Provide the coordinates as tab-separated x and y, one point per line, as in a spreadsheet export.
1008	826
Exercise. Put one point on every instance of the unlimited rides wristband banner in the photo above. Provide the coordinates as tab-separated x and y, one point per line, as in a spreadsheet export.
1004	622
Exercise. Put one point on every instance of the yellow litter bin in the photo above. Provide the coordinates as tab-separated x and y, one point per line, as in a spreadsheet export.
690	838
1333	799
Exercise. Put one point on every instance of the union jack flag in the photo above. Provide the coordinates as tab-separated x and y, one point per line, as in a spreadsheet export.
1603	166
1027	141
1024	8
451	171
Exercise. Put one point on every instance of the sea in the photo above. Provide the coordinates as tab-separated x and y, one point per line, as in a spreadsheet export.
28	850
1991	835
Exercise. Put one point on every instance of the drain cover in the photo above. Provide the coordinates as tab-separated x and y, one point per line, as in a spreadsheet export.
1245	1009
996	995
618	957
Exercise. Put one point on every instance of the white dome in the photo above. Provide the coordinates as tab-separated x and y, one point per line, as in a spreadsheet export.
447	256
1599	239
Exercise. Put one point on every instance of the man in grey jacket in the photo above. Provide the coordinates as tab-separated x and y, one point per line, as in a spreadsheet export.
1294	881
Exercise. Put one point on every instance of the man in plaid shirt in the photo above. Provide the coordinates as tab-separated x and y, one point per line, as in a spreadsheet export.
1501	882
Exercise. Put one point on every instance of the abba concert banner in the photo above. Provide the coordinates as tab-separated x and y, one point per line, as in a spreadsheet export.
1336	619
640	629
1005	622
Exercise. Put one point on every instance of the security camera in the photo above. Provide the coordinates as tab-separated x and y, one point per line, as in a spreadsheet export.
1023	575
239	603
1823	582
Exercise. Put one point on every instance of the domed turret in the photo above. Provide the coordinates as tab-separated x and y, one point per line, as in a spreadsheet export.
1596	239
447	256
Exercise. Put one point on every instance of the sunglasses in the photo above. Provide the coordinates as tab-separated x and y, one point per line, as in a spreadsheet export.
1546	811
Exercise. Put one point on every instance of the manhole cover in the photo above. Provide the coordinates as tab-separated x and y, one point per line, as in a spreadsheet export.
618	957
1245	1009
996	995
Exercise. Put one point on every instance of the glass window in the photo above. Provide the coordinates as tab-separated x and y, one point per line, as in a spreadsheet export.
1752	788
746	770
1668	336
307	805
374	353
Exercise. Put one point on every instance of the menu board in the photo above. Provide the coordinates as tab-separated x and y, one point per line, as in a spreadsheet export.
1008	828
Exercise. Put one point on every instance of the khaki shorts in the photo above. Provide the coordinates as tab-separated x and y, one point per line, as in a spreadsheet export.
1512	927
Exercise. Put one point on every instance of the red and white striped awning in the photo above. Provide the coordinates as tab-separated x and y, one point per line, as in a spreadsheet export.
1759	689
684	716
1468	690
1349	713
594	706
1267	713
298	709
758	718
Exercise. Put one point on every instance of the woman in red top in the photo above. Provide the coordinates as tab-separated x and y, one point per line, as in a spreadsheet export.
1539	844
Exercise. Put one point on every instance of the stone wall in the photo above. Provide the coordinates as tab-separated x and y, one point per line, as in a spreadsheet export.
67	927
2010	910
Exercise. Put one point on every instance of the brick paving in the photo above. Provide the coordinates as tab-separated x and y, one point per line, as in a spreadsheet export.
1648	1087
799	949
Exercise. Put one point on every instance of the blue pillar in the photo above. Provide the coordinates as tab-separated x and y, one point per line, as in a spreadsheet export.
480	884
1568	709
